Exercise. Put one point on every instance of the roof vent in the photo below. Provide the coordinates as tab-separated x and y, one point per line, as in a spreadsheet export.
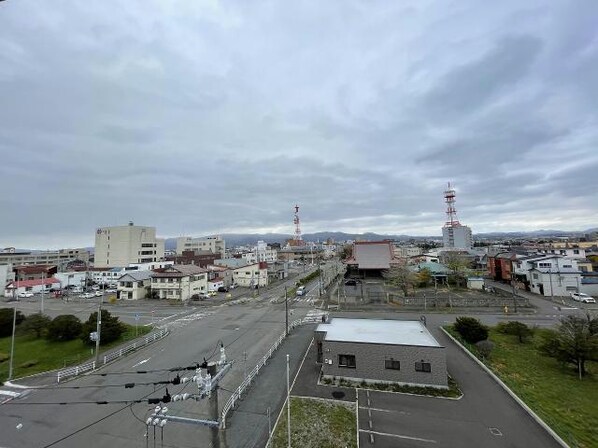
130	223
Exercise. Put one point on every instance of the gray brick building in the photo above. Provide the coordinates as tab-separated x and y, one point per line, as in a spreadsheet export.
381	351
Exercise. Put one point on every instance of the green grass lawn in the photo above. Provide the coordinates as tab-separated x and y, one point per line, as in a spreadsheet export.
553	391
39	355
317	424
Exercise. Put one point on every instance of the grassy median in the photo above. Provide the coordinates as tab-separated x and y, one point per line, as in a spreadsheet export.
317	423
568	405
34	355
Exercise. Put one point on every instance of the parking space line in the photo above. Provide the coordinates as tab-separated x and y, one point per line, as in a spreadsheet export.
398	436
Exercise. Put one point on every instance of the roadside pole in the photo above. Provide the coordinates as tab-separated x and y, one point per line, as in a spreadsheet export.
286	311
98	330
12	342
288	405
42	309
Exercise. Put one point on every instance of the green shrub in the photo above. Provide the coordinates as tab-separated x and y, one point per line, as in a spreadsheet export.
6	317
64	328
4	357
514	328
470	329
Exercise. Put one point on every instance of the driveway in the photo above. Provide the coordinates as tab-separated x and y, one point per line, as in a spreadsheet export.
485	416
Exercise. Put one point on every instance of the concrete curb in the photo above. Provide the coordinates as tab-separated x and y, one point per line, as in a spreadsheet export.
519	401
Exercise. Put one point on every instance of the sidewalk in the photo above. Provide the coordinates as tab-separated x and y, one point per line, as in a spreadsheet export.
247	425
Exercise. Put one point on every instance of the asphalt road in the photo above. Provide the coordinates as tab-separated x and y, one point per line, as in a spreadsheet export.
247	331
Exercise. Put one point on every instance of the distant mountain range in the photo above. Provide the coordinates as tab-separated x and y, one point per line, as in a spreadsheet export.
242	239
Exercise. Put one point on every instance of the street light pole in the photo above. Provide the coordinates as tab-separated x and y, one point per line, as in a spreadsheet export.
12	342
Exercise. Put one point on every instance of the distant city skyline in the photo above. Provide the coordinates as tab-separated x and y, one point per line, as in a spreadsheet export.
202	118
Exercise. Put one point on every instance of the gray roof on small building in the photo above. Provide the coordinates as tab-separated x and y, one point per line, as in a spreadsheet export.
233	263
137	276
378	331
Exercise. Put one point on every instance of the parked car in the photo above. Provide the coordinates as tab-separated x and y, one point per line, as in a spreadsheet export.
99	293
25	294
87	295
222	289
111	291
583	298
211	294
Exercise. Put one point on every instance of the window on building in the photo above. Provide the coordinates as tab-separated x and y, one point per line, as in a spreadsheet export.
347	361
567	266
423	367
576	251
392	364
544	265
535	276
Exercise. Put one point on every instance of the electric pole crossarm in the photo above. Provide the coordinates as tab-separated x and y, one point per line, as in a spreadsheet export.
192	421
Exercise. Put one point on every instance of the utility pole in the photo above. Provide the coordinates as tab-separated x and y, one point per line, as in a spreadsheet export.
98	330
288	404
12	342
513	291
286	311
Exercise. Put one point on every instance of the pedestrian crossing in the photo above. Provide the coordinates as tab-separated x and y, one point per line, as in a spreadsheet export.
186	320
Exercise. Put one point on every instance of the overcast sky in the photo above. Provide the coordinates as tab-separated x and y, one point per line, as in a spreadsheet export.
203	117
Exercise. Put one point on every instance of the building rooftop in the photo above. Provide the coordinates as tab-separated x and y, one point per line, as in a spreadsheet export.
233	263
137	276
372	255
378	331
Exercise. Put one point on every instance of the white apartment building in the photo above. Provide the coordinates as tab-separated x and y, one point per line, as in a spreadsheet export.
569	252
180	282
551	275
261	253
213	244
457	237
122	245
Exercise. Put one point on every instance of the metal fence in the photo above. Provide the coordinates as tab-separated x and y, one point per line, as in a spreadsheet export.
82	368
230	404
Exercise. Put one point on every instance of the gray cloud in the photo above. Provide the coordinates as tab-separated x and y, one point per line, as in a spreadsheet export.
204	117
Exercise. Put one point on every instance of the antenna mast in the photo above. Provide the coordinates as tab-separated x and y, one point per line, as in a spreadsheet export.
451	211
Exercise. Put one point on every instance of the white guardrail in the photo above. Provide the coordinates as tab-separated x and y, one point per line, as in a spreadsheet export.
82	368
230	404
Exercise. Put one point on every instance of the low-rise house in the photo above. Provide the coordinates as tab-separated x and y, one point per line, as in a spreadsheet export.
381	351
134	285
180	282
438	271
45	285
250	275
549	276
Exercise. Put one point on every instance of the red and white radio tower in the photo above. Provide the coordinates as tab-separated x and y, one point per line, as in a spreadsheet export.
451	211
298	238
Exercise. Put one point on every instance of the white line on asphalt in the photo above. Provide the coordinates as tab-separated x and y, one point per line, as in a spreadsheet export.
142	362
386	410
15	386
10	393
398	436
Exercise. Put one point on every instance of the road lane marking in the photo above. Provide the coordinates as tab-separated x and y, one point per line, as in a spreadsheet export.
398	436
142	362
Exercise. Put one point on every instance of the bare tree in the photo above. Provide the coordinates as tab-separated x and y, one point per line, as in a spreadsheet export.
400	277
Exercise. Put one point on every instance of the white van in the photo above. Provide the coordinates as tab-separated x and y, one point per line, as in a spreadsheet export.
300	290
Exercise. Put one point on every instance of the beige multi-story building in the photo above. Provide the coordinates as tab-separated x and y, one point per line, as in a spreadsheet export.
180	282
123	245
213	244
57	257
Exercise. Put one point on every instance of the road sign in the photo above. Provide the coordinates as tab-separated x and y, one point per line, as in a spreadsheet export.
93	336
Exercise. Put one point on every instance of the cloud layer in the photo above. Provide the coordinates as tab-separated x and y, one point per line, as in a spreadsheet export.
207	117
